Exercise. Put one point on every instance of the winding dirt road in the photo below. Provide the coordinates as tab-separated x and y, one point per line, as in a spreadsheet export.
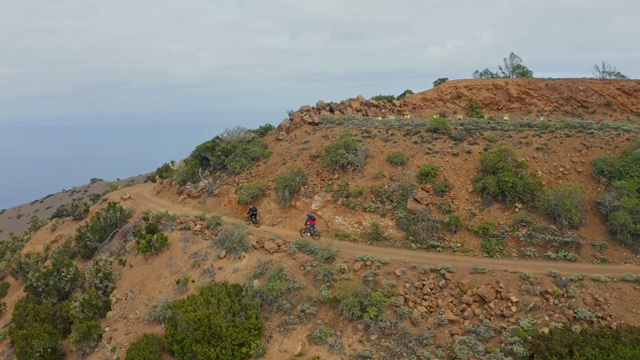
144	197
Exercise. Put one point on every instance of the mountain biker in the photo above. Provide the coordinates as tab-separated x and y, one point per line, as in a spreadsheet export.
311	220
253	212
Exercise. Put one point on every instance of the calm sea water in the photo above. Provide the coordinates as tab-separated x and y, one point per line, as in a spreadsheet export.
42	158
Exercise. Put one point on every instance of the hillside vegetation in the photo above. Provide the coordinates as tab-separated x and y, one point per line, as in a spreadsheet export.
422	210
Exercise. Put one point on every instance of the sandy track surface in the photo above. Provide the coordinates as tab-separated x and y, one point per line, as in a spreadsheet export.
145	198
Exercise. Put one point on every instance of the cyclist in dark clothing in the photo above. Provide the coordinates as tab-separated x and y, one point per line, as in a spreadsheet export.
311	220
253	211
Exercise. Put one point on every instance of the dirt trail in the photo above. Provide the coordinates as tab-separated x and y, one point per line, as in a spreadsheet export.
144	197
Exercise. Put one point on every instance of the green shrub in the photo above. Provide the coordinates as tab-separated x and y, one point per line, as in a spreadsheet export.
201	326
165	171
492	246
289	184
24	265
504	178
148	236
39	342
233	239
404	94
250	192
85	336
277	288
4	288
99	229
146	347
65	249
474	111
39	328
357	301
565	205
440	81
620	204
375	233
603	166
101	276
427	173
442	187
345	154
54	283
76	209
602	342
397	158
384	98
421	228
325	273
232	152
454	223
439	125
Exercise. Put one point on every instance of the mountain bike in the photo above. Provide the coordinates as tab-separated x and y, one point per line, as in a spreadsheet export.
306	231
248	220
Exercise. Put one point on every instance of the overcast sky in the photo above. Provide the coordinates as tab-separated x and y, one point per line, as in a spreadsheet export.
171	59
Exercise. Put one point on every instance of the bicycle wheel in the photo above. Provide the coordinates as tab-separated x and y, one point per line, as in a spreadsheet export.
315	235
257	223
304	232
247	220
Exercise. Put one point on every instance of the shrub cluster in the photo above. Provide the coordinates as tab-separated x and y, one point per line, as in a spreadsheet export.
504	178
201	326
146	347
602	342
232	152
148	235
289	184
358	301
620	203
102	225
233	239
250	192
76	209
427	173
565	205
345	154
397	158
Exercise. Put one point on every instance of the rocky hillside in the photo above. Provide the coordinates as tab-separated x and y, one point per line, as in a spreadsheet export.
552	99
413	261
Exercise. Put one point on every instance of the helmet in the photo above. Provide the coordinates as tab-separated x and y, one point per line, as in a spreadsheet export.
308	215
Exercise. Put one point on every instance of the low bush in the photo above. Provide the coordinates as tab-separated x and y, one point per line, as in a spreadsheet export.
619	205
602	342
250	192
442	187
232	152
475	111
357	301
201	325
565	205
148	236
146	347
289	184
375	233
76	209
276	289
439	125
233	239
24	265
4	288
345	154
397	158
427	173
505	179
39	328
165	171
100	228
85	336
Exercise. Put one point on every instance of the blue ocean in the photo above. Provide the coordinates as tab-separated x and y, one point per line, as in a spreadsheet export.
44	157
